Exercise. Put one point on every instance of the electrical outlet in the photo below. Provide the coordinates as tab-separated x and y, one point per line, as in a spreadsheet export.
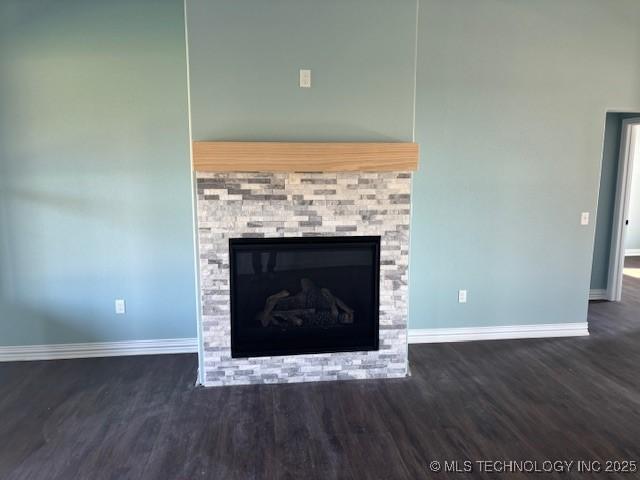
120	306
305	78
462	296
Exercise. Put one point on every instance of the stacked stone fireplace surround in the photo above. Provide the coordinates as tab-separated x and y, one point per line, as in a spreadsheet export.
233	205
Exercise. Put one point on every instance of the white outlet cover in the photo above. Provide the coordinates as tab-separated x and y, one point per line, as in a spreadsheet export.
305	78
120	306
584	218
462	296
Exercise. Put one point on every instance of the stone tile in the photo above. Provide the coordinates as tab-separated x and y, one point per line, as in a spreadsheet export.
232	205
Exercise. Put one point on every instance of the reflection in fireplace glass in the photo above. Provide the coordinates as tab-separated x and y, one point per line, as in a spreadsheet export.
304	295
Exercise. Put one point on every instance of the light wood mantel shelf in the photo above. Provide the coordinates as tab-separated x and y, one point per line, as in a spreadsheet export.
304	157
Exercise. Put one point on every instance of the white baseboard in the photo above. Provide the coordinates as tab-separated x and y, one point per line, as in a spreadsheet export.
632	252
467	334
598	294
98	349
190	345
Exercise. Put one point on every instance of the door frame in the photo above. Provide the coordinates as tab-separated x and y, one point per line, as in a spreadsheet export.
621	210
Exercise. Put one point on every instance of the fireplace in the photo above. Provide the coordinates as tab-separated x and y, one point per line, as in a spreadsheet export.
246	223
304	295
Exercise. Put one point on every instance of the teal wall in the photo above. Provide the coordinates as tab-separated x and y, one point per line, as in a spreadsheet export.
95	199
510	115
245	57
511	99
606	199
95	183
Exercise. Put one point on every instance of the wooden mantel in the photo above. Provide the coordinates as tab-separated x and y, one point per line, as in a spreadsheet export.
304	157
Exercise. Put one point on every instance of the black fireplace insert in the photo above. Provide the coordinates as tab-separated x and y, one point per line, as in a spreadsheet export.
304	295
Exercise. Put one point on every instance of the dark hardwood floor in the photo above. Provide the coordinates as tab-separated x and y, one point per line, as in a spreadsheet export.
142	418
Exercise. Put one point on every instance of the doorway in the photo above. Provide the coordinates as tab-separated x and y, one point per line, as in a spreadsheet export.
627	210
618	208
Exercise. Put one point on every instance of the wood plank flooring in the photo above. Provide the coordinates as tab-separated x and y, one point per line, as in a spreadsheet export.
142	418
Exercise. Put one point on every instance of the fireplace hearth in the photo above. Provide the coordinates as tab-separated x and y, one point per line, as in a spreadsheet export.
304	295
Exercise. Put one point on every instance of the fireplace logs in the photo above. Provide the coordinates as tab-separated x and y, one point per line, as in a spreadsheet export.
312	306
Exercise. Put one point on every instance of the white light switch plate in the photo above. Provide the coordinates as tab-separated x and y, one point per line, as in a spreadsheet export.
120	307
584	218
305	78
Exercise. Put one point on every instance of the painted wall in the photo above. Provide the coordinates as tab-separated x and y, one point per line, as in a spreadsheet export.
632	241
511	98
93	144
95	199
606	200
245	58
510	115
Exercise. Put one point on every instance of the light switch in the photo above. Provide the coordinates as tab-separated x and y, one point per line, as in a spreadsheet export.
305	78
584	218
